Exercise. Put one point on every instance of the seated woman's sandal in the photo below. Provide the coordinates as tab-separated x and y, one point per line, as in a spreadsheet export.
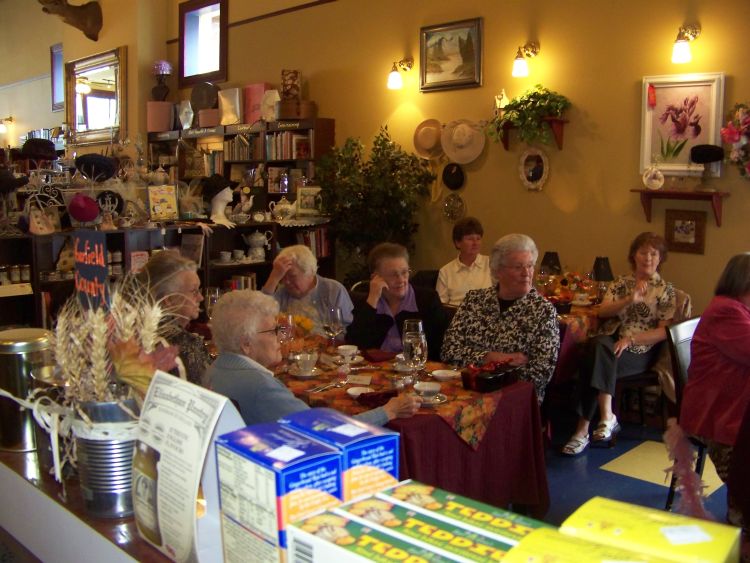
575	445
606	431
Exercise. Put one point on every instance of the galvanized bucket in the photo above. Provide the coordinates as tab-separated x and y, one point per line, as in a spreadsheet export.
105	465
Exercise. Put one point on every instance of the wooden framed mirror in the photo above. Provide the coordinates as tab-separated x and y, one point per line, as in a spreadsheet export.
533	168
95	97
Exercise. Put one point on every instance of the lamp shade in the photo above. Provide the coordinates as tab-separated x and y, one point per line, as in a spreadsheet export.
395	82
520	67
681	52
551	262
704	154
602	271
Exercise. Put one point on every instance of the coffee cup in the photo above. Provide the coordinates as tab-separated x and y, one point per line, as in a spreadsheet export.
427	389
225	256
347	352
306	362
238	254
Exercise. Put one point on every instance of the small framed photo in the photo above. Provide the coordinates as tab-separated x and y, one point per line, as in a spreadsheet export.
685	231
451	55
162	203
308	200
680	111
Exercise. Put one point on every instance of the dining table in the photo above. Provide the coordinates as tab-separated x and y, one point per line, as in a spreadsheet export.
486	446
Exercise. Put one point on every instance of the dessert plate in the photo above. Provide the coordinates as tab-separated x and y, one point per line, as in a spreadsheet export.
435	401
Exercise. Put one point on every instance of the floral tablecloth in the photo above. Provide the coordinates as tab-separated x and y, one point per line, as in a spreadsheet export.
468	413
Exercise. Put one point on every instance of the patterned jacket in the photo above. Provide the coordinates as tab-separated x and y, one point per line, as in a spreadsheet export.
529	326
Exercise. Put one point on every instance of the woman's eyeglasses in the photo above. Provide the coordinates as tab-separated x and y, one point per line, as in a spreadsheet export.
275	330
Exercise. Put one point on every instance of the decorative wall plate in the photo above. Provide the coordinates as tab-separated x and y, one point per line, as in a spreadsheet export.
454	207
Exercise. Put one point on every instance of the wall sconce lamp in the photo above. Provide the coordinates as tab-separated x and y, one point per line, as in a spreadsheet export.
395	82
681	50
520	66
3	127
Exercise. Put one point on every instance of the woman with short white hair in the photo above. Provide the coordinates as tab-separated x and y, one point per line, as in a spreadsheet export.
299	290
509	322
244	326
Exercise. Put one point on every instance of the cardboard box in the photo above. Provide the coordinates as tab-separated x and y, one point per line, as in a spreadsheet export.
332	537
654	532
369	453
269	476
427	530
494	522
253	95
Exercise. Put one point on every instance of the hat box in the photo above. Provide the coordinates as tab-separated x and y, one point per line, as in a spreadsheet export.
296	109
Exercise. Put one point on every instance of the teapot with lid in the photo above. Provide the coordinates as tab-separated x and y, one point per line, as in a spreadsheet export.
282	209
256	241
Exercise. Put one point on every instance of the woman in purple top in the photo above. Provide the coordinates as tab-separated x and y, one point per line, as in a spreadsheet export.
379	316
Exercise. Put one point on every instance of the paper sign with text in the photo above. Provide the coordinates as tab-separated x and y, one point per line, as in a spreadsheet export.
91	271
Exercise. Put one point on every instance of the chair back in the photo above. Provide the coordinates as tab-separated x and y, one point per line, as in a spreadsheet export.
680	336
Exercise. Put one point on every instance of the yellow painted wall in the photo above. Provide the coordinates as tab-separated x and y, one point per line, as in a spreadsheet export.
593	51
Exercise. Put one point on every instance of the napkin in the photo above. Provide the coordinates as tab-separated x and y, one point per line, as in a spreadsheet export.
376	398
377	355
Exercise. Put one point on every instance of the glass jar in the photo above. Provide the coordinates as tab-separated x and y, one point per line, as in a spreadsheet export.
15	273
25	273
4	277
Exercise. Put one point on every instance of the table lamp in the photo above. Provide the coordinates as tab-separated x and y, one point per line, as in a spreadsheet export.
551	263
602	273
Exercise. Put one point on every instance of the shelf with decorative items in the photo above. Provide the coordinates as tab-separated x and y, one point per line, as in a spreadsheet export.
716	199
537	115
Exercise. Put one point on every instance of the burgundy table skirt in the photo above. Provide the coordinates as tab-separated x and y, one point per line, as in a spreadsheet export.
506	469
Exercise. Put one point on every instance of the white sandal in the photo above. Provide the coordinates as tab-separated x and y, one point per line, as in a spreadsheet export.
575	445
606	430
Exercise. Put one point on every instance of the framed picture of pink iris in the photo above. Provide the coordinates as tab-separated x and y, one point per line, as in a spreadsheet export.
680	111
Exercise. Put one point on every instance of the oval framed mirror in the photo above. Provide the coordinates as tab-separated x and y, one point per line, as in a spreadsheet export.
533	168
95	97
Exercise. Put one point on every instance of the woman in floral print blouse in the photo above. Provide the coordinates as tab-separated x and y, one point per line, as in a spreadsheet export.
509	322
638	307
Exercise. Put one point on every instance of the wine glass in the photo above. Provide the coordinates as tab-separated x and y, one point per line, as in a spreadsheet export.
285	333
333	324
415	350
211	297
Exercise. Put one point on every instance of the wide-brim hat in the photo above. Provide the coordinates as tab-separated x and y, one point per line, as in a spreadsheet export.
453	176
96	167
704	154
463	141
427	139
39	149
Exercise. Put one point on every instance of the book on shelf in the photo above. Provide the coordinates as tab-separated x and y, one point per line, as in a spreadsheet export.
316	240
191	247
242	281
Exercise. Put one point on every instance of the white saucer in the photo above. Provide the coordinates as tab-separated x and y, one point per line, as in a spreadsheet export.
402	368
438	399
355	360
582	303
294	371
445	374
355	392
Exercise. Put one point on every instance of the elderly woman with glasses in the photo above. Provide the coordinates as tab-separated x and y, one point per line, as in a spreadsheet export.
173	280
297	287
244	326
379	316
508	322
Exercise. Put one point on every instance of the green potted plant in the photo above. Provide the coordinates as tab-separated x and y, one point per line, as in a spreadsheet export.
530	114
371	201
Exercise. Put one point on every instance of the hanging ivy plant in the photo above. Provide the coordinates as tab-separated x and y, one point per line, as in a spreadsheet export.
527	113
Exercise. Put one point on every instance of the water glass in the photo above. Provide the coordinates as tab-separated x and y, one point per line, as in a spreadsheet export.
333	324
415	350
412	325
285	333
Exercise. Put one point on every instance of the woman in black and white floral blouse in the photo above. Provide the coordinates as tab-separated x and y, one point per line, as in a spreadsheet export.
509	321
637	307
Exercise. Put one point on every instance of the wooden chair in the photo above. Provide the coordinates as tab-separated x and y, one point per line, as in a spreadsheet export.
680	336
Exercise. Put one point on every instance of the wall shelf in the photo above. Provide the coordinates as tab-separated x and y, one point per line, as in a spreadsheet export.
555	123
647	196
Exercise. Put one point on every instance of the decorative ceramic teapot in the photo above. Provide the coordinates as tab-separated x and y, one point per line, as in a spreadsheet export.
282	209
256	241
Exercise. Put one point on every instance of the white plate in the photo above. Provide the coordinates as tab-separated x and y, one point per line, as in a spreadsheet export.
402	368
582	303
445	374
438	399
294	371
355	360
355	392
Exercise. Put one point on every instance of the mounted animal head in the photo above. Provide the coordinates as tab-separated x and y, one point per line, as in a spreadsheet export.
86	17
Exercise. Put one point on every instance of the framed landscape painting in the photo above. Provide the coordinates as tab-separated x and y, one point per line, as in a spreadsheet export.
680	111
451	55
